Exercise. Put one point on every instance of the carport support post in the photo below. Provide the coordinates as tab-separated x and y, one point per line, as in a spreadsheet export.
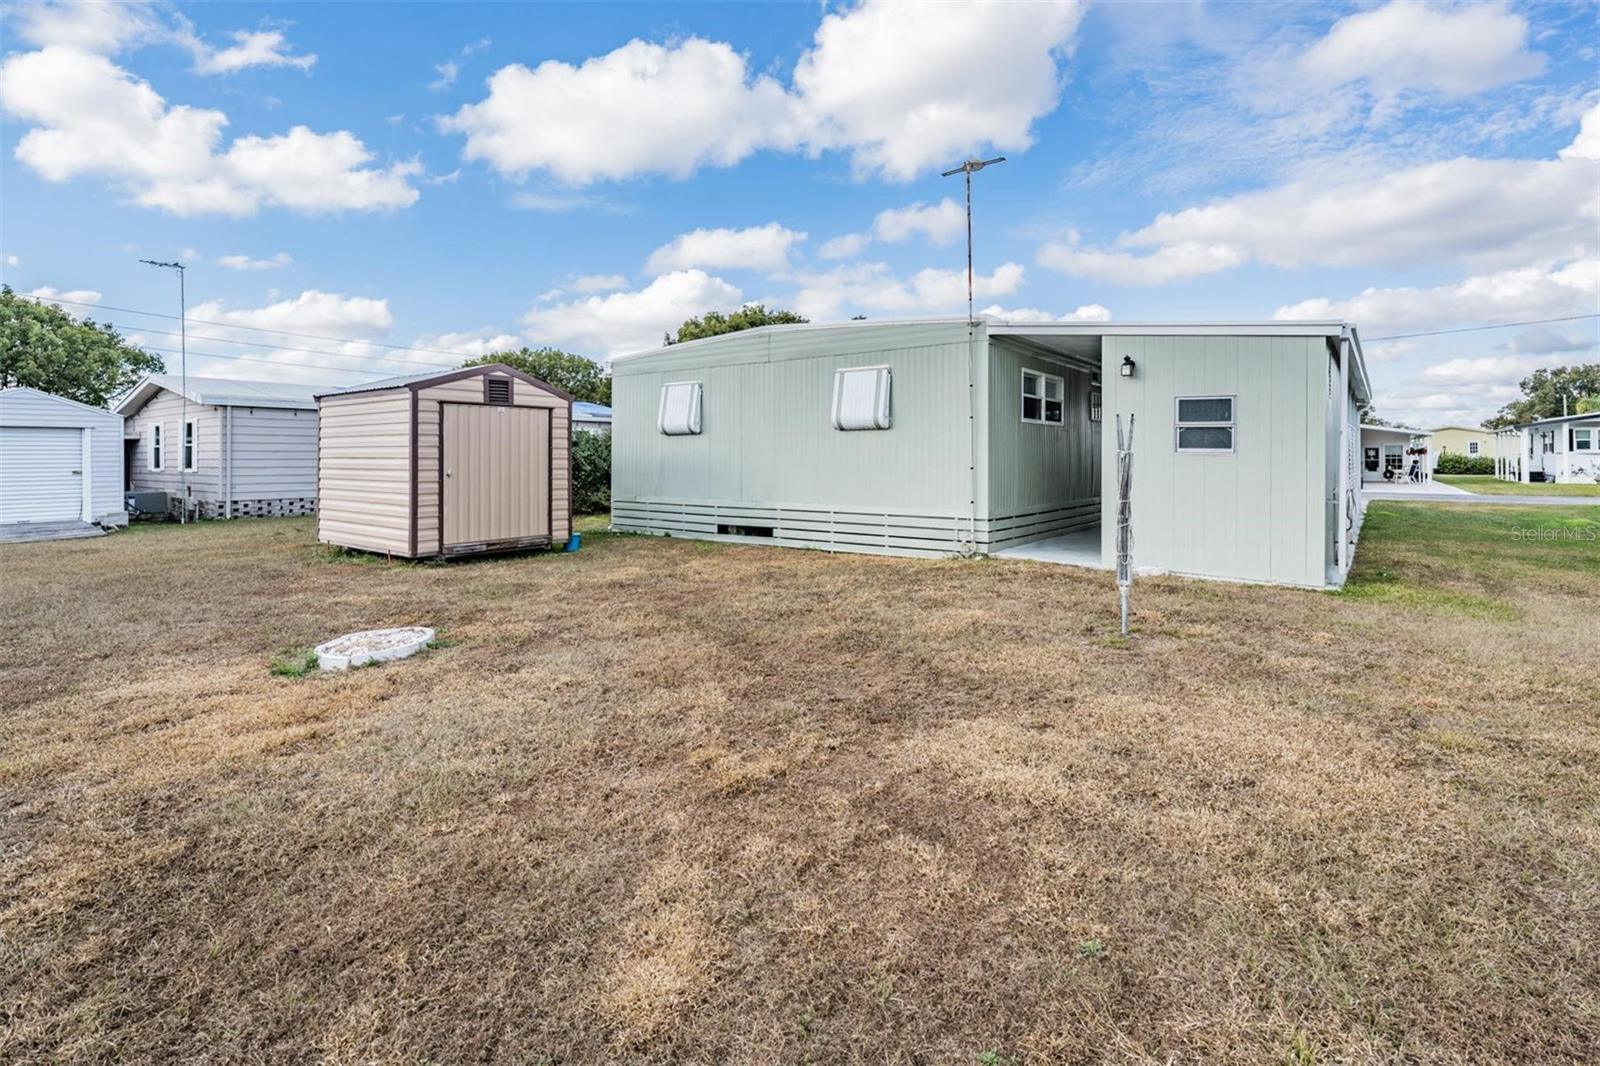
1124	516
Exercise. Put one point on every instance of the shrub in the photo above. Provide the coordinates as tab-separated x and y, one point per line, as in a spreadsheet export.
1456	463
591	472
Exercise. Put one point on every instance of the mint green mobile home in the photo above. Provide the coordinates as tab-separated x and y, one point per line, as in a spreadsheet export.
943	437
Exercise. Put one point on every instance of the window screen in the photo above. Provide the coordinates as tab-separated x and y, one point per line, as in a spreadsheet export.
189	445
1205	424
680	408
861	398
155	457
1096	405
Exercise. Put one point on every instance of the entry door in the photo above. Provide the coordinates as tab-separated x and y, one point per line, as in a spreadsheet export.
41	474
496	463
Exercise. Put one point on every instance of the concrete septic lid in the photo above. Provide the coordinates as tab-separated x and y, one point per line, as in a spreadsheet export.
372	646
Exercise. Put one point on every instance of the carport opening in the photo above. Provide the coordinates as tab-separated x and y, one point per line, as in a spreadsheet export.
1061	431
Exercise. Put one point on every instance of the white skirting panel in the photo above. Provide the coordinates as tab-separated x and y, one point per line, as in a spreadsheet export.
889	533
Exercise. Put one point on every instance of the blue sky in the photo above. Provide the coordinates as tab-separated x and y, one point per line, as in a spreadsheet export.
450	179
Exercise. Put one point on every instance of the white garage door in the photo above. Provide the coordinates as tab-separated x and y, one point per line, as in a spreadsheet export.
41	474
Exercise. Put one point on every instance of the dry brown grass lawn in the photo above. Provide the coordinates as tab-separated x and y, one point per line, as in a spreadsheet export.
669	801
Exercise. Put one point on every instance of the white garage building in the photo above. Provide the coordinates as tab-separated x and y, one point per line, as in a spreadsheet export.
60	464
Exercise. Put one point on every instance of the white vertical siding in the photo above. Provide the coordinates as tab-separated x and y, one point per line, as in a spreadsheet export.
1258	514
28	407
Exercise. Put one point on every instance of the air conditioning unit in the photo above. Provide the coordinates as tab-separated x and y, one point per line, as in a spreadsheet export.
145	503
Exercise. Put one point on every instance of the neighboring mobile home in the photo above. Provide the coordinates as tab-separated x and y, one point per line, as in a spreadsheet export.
233	449
446	463
590	417
1392	453
1551	449
60	462
937	437
1474	442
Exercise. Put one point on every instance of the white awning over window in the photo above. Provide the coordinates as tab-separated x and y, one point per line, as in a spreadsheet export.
680	408
861	398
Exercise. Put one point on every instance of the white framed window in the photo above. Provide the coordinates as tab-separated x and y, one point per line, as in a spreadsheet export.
1583	440
155	450
679	415
1549	441
1205	424
861	398
191	444
1096	404
1472	447
1042	398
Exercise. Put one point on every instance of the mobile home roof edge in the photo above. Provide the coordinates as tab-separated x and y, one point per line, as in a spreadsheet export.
1000	328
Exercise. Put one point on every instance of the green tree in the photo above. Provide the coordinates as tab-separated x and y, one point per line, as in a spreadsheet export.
715	323
1588	405
43	347
1543	392
591	472
580	376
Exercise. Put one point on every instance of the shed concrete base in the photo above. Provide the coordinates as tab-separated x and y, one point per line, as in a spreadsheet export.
18	532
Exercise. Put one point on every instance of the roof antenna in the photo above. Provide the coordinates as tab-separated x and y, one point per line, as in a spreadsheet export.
969	168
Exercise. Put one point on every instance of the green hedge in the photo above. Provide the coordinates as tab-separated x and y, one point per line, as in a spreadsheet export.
1456	463
591	472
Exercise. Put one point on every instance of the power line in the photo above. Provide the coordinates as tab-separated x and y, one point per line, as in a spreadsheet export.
261	329
1475	329
265	362
288	347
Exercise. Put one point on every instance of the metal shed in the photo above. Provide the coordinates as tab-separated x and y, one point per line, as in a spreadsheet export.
447	463
942	436
60	464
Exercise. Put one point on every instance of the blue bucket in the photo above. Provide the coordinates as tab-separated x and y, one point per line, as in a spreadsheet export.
574	542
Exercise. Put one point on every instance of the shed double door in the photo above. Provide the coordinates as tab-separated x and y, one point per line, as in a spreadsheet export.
496	464
41	474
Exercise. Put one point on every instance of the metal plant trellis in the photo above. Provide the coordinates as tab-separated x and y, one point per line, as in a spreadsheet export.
1124	516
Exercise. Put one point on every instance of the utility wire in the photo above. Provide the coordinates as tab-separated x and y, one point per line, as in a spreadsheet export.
259	329
389	359
266	362
1475	329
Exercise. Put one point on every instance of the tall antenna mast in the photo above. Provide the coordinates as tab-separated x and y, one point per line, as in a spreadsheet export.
969	168
184	444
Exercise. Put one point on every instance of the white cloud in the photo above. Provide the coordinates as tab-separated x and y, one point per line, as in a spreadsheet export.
1455	51
874	287
90	116
1485	212
75	296
312	311
1543	290
470	344
844	246
643	108
591	283
258	48
1086	313
448	71
1542	340
630	321
901	86
12	261
939	223
108	28
756	248
244	262
1486	369
1175	262
905	87
1586	145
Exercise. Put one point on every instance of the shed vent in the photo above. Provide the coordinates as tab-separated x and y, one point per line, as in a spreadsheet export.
496	390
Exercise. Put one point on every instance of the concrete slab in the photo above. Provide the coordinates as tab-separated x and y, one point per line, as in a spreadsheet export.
1081	548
